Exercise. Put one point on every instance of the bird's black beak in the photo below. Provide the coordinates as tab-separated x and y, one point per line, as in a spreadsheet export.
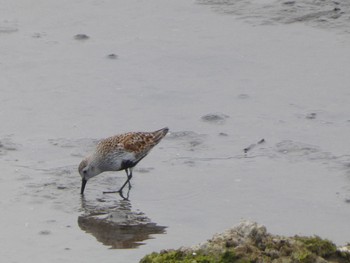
83	183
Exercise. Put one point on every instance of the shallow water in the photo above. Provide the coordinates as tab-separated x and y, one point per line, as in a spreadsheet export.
219	83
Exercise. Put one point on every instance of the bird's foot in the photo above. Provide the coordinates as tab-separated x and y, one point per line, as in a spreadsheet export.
120	192
111	192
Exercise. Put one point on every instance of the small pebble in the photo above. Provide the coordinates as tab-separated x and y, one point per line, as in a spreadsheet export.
289	3
243	96
311	116
38	35
81	37
112	56
45	232
261	141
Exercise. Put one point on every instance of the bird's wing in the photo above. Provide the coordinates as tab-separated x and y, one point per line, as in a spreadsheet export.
137	143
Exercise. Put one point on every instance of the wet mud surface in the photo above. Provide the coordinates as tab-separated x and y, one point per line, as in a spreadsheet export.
175	196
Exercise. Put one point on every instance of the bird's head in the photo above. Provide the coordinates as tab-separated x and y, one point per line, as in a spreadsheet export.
87	170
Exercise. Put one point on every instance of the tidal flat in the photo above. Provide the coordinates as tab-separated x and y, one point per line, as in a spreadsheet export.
222	81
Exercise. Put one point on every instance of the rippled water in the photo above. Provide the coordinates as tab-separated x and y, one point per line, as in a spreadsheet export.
328	14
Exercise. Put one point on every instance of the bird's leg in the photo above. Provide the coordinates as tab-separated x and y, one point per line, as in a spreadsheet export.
128	191
129	175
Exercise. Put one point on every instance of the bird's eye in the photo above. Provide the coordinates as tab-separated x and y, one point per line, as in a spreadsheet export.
84	172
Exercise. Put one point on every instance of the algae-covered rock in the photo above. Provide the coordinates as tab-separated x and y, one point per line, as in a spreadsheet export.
250	242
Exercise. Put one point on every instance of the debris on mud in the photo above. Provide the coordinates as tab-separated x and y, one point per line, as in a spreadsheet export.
250	147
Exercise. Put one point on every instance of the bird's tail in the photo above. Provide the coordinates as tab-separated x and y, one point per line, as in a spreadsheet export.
158	135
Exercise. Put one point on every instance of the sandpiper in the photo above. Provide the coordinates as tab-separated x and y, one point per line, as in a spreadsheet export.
119	152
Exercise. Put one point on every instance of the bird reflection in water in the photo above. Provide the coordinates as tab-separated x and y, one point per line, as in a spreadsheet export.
116	225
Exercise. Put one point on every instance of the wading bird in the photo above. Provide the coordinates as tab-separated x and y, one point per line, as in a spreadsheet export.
119	152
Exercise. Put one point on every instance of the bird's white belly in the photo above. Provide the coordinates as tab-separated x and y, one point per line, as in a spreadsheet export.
114	162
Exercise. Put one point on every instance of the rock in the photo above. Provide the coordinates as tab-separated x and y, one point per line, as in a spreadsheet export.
250	242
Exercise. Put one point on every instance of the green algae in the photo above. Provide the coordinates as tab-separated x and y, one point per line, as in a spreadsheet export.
317	245
174	256
250	243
